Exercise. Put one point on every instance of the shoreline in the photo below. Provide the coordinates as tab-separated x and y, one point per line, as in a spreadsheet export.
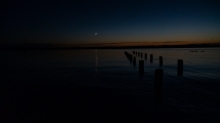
32	47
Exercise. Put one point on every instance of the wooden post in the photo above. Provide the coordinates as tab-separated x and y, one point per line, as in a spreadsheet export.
158	85
145	56
141	67
180	67
161	61
151	58
130	58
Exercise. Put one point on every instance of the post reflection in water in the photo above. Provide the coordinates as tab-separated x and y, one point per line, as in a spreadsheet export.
96	61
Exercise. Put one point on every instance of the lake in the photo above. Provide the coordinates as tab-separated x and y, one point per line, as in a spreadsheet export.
103	85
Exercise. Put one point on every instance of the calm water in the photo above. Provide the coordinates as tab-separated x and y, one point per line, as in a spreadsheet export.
198	66
196	92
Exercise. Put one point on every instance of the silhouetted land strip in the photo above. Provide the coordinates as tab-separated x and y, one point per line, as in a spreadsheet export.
38	47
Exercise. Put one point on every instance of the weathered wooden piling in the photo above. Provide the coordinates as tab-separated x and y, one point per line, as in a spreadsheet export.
161	61
145	56
130	58
151	58
138	53
141	55
134	61
141	67
158	85
180	67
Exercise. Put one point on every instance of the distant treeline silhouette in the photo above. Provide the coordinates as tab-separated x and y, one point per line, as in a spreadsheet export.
52	47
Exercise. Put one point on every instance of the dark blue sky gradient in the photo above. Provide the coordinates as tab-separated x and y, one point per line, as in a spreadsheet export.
76	22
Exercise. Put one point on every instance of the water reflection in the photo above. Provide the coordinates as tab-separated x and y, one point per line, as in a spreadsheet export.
96	61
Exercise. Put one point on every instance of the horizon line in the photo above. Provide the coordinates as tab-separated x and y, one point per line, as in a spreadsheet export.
40	47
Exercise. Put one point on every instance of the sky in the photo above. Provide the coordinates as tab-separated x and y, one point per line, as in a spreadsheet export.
118	22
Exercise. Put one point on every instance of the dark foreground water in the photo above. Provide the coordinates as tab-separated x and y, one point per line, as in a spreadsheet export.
102	85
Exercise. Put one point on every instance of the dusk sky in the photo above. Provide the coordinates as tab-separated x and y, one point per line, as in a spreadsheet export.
77	22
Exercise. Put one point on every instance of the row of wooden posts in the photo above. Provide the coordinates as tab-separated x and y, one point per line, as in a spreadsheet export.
158	74
132	59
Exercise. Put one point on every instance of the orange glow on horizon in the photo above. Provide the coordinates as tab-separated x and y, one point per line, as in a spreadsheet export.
125	44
